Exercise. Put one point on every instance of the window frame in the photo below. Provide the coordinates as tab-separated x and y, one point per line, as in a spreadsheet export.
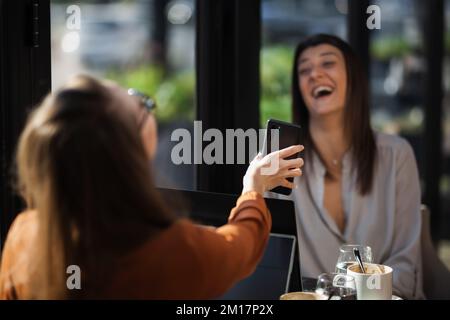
25	79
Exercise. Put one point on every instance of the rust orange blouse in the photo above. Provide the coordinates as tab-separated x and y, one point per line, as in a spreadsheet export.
186	261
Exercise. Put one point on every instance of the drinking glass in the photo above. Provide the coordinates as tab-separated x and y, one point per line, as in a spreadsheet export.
347	258
336	286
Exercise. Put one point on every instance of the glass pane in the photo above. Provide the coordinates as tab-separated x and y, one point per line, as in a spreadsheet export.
397	72
145	44
284	24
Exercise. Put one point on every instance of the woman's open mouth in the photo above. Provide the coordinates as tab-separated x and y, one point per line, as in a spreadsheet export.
322	92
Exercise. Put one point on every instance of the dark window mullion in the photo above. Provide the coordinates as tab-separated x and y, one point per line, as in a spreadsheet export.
25	78
227	56
433	31
358	33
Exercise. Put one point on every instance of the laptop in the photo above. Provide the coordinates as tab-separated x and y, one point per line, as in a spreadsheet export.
279	270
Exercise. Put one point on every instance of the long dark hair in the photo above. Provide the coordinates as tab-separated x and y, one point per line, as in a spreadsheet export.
357	129
83	168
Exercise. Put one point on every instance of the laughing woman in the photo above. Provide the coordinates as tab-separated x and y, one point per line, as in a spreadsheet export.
359	187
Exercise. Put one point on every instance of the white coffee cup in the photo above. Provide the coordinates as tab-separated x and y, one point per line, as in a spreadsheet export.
375	284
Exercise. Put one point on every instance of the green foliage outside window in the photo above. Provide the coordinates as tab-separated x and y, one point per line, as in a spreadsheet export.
174	94
276	72
387	48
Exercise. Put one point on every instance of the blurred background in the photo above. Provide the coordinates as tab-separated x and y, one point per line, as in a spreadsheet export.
158	46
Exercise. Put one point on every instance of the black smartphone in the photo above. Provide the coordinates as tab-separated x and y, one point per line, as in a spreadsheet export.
288	134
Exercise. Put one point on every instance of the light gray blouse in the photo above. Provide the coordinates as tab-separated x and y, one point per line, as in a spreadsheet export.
387	219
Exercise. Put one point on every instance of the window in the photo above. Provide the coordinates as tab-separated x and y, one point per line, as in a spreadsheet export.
284	24
145	44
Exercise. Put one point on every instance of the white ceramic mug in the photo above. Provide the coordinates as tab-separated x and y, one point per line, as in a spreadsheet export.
370	285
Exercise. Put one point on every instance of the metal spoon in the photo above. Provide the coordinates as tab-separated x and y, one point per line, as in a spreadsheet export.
358	259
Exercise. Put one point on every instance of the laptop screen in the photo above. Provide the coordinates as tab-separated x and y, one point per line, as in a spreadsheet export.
272	275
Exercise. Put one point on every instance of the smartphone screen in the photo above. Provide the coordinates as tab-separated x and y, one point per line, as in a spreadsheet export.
288	135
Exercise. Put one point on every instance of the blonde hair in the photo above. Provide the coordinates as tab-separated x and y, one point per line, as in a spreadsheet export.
82	166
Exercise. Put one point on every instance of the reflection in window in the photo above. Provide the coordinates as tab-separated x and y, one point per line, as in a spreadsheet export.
145	44
284	24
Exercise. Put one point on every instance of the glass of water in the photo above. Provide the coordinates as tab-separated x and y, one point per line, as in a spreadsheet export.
347	258
336	286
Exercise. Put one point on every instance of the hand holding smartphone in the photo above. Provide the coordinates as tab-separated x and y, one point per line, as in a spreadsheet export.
288	135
